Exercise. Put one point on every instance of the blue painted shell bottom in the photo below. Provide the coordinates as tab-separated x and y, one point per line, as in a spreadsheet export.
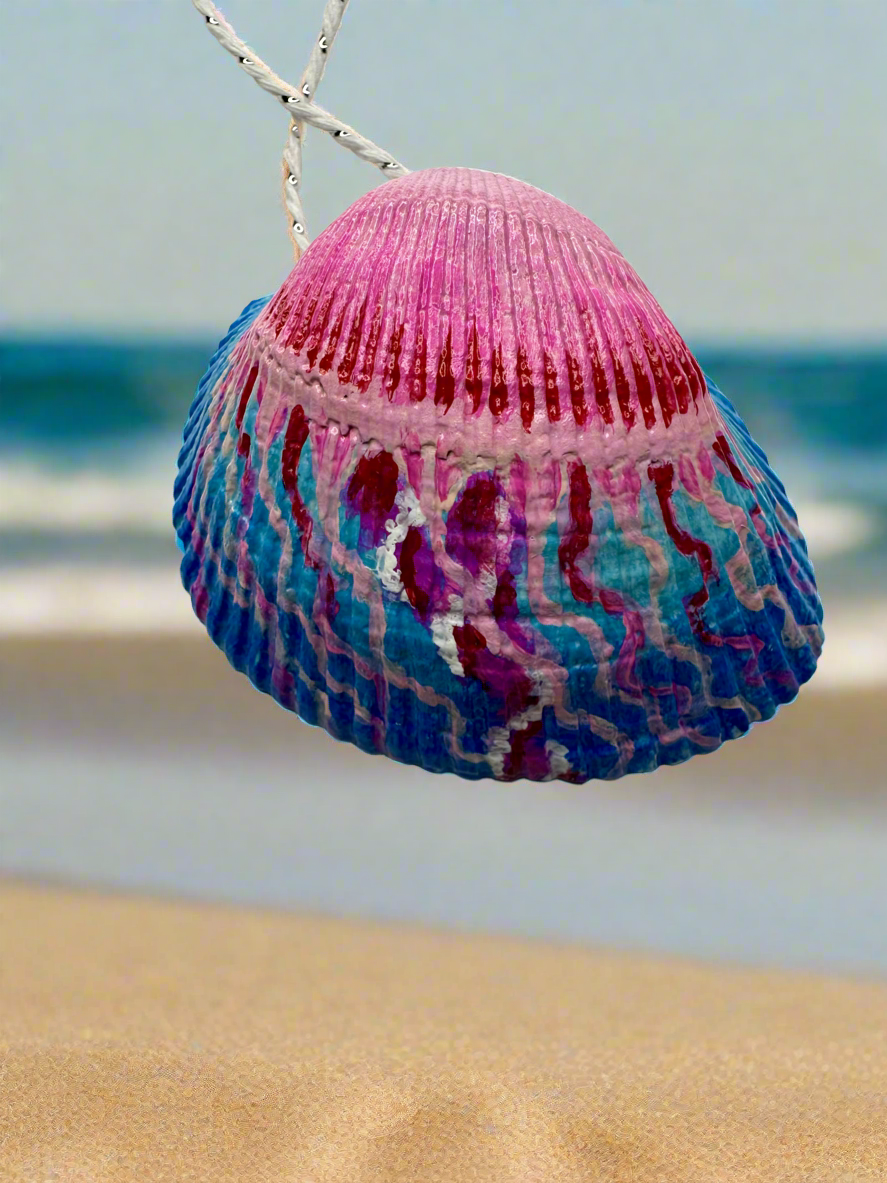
650	613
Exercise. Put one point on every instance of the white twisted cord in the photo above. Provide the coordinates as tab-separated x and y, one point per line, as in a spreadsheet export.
292	152
301	107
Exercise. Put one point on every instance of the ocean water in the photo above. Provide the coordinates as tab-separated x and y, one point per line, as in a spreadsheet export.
89	432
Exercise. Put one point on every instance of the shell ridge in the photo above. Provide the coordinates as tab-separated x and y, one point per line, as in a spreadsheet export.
384	261
421	341
597	335
568	321
527	314
763	619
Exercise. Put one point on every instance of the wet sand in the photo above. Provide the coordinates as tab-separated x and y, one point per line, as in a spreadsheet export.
145	1040
178	692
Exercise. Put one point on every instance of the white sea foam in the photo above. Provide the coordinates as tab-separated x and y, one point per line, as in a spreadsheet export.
855	652
36	497
833	528
77	599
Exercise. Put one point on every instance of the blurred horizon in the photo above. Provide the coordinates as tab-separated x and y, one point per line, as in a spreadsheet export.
90	427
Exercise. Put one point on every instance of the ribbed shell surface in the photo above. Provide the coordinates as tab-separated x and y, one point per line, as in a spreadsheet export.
460	493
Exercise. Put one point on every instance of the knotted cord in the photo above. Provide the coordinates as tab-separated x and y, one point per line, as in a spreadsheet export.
299	103
292	152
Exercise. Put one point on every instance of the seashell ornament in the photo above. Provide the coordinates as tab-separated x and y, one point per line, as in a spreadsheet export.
459	493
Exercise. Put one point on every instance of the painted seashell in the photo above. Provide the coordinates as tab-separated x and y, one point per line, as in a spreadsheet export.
459	493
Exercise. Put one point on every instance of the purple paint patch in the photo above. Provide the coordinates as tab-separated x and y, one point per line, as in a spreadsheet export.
371	492
417	571
505	612
471	524
509	686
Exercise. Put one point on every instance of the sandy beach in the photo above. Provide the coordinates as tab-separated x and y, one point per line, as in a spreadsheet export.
147	1040
147	1036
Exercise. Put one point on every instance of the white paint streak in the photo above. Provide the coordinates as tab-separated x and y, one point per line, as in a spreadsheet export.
442	625
396	529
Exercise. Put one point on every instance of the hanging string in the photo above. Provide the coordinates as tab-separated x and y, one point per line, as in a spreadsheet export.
292	152
300	106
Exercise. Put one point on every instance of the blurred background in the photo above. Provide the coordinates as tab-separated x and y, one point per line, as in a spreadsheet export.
735	151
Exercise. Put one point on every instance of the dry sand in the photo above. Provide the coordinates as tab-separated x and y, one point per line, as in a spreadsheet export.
146	1040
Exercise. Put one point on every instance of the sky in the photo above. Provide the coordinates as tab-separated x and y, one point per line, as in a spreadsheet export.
734	150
